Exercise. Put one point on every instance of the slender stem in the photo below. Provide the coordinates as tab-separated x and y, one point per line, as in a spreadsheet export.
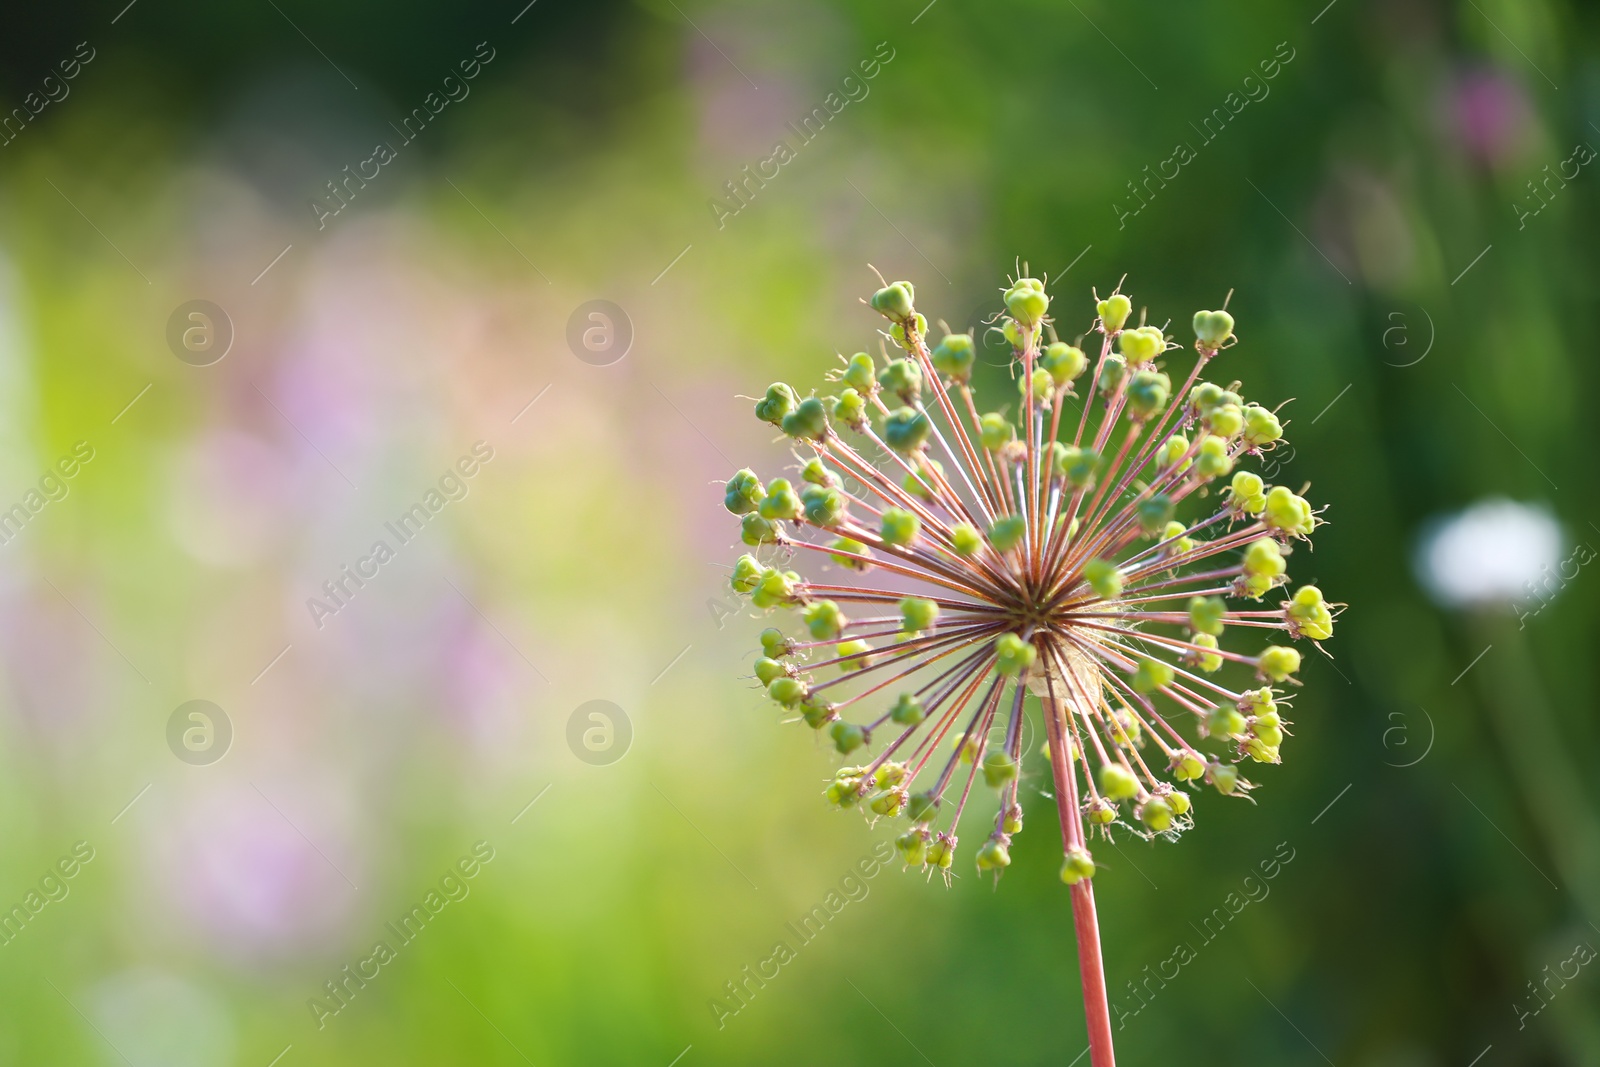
1091	970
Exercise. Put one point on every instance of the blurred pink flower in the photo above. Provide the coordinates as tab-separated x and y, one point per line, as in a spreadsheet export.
1489	117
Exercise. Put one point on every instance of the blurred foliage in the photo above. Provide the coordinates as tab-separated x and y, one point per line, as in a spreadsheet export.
1362	211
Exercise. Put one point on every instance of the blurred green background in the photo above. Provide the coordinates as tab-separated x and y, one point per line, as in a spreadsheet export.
1363	176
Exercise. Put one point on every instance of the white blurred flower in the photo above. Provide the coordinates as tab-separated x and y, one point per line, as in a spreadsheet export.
1490	553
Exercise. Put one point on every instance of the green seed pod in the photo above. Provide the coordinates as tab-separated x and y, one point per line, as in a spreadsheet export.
1104	577
917	614
779	401
1213	460
1205	396
1141	345
781	501
775	587
1224	777
888	775
1247	493
817	714
1268	734
999	768
742	492
1125	729
895	301
847	736
849	544
907	710
1113	311
1156	813
774	645
1308	614
1207	614
1278	662
889	803
898	526
913	846
1178	802
1187	766
920	807
1151	675
853	655
1006	532
1011	821
1211	329
1112	371
916	323
954	356
861	373
965	539
1148	393
1042	385
824	506
1208	660
995	431
808	421
824	619
851	409
1261	427
993	855
747	571
1287	512
1258	702
1117	782
1176	544
1154	513
1063	362
920	485
1077	866
942	852
1224	420
1262	752
1172	451
754	530
787	691
1013	655
1027	302
1079	466
906	429
1100	812
903	378
769	670
816	472
1263	563
1225	722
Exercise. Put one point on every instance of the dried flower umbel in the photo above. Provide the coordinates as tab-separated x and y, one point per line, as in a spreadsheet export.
978	557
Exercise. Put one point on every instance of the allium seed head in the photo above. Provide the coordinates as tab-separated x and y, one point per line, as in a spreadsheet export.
1093	547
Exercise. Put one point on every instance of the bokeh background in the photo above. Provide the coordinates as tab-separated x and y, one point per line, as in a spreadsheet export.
1403	210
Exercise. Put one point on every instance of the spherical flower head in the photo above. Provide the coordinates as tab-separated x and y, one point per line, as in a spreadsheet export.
1102	560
